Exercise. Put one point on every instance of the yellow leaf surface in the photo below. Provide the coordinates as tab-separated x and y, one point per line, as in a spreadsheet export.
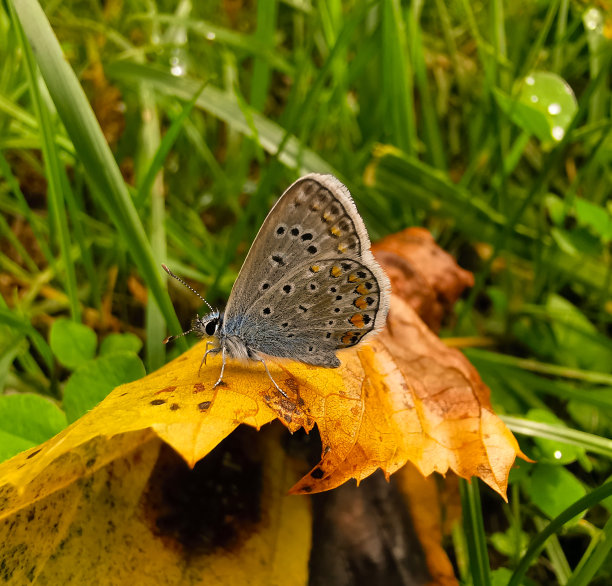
145	518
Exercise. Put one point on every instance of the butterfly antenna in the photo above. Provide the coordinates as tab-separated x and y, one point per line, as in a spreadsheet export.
188	287
170	338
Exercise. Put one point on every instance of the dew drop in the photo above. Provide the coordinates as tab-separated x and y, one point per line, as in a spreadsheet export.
554	109
593	19
558	454
178	66
529	80
535	99
558	132
178	70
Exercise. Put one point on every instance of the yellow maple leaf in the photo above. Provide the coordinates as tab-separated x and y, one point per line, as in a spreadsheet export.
403	397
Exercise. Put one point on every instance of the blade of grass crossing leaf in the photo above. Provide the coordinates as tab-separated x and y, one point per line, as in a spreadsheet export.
510	161
473	527
397	83
586	502
594	558
53	172
94	153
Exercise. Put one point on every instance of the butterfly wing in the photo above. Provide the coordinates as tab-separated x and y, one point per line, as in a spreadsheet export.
310	284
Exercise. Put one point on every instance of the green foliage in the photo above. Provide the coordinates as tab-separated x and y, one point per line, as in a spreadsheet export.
91	382
72	343
27	420
133	136
553	489
120	342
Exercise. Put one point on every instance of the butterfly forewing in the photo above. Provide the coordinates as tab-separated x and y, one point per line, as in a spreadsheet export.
310	284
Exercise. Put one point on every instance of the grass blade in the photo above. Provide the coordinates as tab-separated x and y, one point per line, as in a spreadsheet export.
474	532
54	172
94	153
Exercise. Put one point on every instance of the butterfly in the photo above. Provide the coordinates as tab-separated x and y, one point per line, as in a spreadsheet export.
308	287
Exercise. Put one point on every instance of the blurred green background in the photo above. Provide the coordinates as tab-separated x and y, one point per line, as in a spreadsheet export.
135	133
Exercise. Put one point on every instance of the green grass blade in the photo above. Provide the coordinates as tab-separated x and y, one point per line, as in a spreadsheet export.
541	367
586	502
474	532
264	34
592	443
397	83
10	318
432	137
150	146
594	558
54	172
225	107
94	153
434	192
165	146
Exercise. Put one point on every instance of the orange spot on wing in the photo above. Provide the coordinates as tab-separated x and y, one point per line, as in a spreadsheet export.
353	278
315	268
346	339
362	289
360	303
336	271
357	320
342	248
335	231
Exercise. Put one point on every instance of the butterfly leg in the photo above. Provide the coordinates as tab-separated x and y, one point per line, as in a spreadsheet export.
206	353
273	381
220	379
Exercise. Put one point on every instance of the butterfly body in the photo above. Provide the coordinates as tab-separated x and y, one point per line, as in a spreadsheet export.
309	285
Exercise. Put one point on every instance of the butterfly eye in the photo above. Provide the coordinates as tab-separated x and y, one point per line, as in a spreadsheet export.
211	327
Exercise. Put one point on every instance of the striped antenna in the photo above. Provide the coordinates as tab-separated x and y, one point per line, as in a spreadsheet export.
170	338
188	287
